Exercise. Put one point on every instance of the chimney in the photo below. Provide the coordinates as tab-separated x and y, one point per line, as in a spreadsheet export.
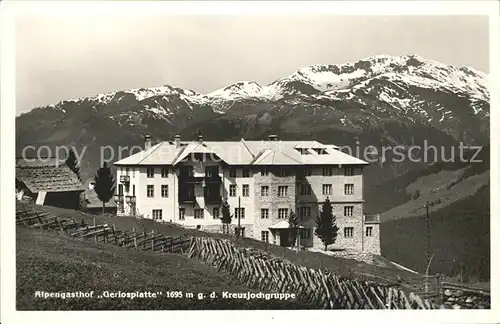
177	141
273	137
147	142
200	138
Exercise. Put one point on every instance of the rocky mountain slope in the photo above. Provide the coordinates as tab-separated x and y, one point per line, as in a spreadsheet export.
380	101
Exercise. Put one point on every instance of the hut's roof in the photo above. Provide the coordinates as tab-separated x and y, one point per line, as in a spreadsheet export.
47	175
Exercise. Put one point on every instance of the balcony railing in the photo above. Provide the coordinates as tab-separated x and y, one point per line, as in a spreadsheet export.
200	180
130	199
372	218
186	199
212	199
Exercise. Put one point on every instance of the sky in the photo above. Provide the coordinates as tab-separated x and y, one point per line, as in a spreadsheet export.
65	57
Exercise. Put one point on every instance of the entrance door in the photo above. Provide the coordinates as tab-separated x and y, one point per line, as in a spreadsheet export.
284	238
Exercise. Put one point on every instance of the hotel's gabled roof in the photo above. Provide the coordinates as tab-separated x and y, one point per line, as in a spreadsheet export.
245	153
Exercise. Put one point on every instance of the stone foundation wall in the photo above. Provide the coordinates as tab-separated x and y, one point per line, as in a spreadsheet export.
249	229
460	299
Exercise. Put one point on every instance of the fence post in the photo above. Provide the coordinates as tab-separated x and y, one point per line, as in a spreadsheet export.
95	235
153	240
135	237
440	287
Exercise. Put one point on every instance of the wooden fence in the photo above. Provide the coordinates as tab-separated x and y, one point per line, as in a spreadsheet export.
316	286
261	270
138	240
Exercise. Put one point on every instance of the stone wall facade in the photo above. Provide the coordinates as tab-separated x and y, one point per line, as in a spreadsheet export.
353	233
272	202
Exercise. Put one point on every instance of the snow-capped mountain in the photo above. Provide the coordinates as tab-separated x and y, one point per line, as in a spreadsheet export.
399	75
382	99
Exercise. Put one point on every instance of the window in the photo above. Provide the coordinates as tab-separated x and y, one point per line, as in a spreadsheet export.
348	231
186	171
239	213
264	191
303	151
127	171
246	173
282	191
164	191
133	190
199	157
150	172
164	172
284	172
283	213
232	172
232	190
349	189
120	189
264	172
305	233
216	212
157	214
190	191
327	172
211	171
264	236
327	189
198	213
320	151
182	213
150	191
241	231
264	213
369	231
349	171
210	192
198	227
304	212
246	190
348	210
305	189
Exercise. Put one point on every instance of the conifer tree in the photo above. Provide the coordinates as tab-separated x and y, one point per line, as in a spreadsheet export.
104	185
293	223
326	227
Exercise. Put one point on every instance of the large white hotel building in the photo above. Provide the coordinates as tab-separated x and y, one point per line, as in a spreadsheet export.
263	181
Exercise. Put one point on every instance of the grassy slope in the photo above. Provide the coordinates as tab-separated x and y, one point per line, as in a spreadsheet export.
437	191
459	232
51	262
384	196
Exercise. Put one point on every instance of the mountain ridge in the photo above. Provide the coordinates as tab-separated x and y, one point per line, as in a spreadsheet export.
378	65
382	100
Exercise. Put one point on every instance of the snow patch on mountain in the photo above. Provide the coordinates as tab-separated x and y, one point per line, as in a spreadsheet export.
238	90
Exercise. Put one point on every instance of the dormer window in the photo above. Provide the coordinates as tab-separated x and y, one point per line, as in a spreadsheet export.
320	151
303	151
